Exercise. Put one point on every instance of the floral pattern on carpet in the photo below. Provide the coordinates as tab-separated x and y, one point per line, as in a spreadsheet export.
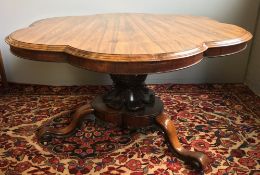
221	120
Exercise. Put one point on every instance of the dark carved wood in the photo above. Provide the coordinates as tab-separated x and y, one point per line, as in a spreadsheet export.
129	92
197	159
129	104
126	118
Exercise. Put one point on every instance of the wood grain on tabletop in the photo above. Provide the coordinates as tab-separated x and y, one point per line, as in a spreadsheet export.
130	38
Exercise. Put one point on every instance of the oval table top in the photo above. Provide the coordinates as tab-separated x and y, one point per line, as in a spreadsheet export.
127	43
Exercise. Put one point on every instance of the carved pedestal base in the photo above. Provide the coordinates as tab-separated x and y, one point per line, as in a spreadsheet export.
130	104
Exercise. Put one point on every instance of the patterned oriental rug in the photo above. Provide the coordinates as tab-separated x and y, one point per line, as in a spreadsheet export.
222	121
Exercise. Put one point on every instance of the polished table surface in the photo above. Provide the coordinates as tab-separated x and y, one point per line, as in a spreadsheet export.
128	47
118	43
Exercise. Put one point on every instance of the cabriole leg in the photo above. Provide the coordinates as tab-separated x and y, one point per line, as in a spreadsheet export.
197	159
46	132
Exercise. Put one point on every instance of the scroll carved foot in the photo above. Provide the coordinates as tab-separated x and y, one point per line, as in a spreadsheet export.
46	132
197	159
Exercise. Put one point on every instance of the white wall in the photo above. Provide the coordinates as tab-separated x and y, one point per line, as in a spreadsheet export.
253	73
15	14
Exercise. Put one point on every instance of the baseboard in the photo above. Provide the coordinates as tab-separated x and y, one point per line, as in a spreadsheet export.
254	86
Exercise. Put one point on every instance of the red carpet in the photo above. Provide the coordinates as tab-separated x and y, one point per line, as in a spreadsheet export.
222	121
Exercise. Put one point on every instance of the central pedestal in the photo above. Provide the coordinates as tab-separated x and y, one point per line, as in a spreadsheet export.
130	104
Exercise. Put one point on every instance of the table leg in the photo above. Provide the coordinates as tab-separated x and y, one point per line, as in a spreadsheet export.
197	159
130	104
81	112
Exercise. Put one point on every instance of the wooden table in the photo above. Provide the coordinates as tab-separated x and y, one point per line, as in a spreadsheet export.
128	47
